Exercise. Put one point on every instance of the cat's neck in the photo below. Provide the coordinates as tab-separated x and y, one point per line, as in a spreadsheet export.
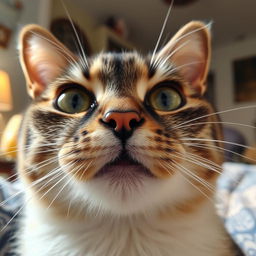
154	234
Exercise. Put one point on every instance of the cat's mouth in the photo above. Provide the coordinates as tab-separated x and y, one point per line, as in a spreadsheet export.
124	166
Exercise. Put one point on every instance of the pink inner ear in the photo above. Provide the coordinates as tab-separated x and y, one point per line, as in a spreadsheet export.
193	76
191	53
45	62
46	72
191	67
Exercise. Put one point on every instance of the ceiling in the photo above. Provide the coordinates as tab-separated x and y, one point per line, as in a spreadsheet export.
232	19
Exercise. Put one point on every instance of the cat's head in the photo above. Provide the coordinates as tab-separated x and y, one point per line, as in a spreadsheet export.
115	132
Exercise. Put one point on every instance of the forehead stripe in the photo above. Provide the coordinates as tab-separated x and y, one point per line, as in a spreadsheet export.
86	73
151	70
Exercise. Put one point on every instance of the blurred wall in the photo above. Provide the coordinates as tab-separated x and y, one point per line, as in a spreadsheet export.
79	16
33	11
222	65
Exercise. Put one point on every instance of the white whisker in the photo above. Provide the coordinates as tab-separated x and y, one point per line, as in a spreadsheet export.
197	178
69	58
219	149
215	113
63	187
84	59
16	214
217	122
182	171
161	62
219	141
161	32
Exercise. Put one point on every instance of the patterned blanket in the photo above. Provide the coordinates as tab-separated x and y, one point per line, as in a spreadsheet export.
236	204
10	203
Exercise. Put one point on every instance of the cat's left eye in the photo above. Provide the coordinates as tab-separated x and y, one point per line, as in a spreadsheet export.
74	100
165	98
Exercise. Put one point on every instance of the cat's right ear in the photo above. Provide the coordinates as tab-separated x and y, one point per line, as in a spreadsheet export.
190	50
43	58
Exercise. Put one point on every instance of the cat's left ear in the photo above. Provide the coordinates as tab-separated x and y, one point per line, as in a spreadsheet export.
190	51
43	58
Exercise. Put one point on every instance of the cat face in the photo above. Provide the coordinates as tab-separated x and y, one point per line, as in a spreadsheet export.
112	132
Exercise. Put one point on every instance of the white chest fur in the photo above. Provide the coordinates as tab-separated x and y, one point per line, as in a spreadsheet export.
197	234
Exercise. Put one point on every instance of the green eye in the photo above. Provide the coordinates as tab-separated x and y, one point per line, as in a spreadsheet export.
74	100
165	99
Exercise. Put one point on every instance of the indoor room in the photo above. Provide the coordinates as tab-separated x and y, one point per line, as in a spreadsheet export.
109	108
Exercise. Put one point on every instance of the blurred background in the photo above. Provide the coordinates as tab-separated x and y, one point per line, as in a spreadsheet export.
135	24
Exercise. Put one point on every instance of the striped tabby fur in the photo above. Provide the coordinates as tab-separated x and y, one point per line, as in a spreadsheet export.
75	205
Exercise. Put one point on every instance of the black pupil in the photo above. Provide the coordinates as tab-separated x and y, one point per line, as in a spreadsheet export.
164	99
75	101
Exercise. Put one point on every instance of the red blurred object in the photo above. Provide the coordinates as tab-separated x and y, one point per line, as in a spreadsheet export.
180	2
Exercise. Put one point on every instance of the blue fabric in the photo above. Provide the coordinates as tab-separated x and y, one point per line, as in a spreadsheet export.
236	204
10	203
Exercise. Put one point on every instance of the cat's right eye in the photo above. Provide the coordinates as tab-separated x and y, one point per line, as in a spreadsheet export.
74	100
164	98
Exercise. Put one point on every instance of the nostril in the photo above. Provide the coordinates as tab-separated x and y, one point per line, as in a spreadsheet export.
112	123
134	123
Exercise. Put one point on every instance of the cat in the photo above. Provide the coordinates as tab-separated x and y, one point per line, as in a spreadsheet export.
107	155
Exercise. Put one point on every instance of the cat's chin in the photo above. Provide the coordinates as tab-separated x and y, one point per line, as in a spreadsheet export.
134	193
124	187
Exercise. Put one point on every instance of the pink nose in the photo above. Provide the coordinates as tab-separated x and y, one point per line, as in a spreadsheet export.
122	120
